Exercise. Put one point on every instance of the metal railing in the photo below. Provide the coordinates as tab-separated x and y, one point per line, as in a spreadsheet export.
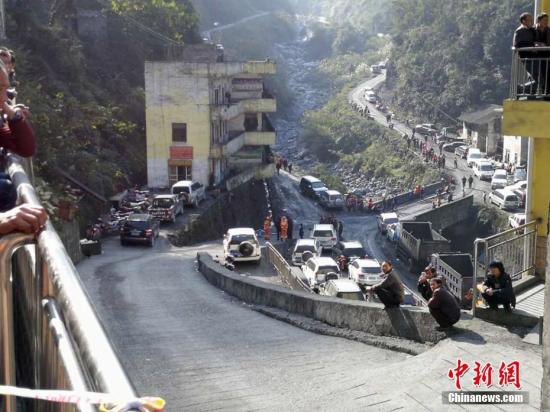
515	248
283	269
530	73
64	343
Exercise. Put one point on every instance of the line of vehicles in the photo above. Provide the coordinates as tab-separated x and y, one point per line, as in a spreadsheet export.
144	226
315	189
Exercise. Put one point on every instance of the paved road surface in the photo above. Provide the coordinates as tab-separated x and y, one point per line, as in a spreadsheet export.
182	338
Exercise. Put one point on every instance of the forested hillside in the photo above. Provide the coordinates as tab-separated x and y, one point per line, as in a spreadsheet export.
86	92
452	55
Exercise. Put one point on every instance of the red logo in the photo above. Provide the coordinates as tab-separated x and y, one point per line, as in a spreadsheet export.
508	374
181	152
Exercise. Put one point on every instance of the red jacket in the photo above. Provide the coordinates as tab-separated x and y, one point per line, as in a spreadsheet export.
18	137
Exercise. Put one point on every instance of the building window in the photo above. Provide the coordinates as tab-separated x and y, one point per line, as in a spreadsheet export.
178	173
179	132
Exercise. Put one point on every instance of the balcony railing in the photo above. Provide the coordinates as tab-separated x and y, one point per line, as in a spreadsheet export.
58	341
530	73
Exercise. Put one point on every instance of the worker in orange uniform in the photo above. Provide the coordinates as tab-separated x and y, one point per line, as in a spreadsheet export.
284	228
267	228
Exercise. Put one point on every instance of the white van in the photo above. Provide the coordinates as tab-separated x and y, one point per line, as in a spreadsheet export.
303	245
499	180
504	199
325	236
483	169
473	155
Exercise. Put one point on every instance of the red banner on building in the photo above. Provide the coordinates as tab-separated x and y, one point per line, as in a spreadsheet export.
181	152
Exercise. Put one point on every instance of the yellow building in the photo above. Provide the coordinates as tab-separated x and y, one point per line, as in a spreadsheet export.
206	116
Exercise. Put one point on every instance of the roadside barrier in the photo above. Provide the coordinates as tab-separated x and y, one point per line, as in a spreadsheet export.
284	269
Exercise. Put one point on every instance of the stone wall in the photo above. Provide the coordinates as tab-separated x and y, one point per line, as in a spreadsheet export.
410	323
448	214
69	232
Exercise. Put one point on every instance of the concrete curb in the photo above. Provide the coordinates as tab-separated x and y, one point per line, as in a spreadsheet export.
315	326
408	322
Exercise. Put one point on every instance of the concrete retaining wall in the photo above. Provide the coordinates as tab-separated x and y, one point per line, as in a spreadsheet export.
448	214
410	323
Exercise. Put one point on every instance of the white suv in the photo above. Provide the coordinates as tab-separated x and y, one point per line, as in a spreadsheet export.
192	192
241	245
325	236
317	268
365	272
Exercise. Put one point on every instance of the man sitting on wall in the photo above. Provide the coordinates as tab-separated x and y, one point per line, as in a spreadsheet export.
390	291
497	288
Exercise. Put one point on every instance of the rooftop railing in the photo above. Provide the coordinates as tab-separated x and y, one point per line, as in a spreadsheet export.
530	73
57	340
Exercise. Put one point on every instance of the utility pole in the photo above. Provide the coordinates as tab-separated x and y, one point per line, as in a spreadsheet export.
2	20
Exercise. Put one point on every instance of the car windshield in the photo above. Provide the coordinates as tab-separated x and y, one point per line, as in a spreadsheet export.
163	203
317	185
485	168
322	233
354	251
137	224
391	220
350	295
370	270
327	269
181	189
304	248
238	239
475	155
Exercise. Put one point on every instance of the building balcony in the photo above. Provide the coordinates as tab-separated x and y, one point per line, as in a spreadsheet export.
263	67
236	108
527	111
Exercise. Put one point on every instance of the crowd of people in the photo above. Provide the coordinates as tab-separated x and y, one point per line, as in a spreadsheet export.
283	163
16	136
496	290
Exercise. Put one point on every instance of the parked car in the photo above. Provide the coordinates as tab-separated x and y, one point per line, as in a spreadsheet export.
140	228
241	245
483	169
375	69
504	199
192	192
426	128
343	289
303	245
166	208
317	268
516	220
451	147
370	96
312	187
386	219
351	250
520	174
522	196
325	236
499	180
365	272
461	151
331	199
522	185
473	155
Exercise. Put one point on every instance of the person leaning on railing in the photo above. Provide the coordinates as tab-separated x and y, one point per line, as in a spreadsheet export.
17	136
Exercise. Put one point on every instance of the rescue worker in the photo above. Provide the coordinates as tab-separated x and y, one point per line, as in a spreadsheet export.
267	228
301	231
284	228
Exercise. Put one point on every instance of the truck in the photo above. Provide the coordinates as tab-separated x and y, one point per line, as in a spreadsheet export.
417	242
166	208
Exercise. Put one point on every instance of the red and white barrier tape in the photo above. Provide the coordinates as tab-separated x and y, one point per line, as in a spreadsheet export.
109	403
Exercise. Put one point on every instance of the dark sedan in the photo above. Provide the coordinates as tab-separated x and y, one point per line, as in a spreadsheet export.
140	228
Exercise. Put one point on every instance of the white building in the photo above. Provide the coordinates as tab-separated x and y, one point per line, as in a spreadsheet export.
515	150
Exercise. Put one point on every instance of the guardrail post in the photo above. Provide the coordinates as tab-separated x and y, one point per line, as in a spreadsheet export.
8	245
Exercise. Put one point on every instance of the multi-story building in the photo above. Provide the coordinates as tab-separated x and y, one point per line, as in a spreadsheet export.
458	271
515	150
206	117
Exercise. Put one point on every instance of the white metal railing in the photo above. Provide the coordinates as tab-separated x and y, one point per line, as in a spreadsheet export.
67	346
530	73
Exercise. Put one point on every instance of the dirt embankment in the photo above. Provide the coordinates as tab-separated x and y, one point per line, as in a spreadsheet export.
245	206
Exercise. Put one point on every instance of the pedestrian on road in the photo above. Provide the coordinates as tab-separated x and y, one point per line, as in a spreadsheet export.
301	231
284	228
464	181
413	133
423	284
456	164
470	181
285	164
278	166
340	229
485	197
290	226
390	290
267	227
442	305
393	204
497	288
290	168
